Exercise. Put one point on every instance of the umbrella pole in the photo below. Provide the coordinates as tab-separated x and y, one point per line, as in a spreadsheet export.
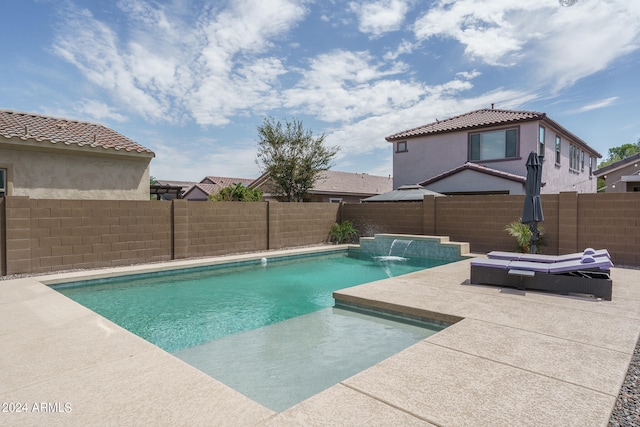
535	234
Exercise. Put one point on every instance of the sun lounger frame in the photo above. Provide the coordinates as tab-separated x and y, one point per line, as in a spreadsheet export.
595	282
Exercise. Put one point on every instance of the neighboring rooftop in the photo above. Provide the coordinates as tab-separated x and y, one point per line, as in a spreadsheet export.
353	183
617	165
405	193
483	118
478	168
474	119
53	130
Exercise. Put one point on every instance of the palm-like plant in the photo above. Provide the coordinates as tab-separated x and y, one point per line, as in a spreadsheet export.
522	233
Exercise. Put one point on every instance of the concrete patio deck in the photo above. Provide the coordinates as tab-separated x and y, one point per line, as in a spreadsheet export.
515	358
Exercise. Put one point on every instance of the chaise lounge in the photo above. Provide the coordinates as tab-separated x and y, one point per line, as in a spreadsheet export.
515	256
586	275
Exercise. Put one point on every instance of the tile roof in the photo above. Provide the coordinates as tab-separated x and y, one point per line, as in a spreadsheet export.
475	119
354	183
35	127
213	184
334	182
478	168
223	181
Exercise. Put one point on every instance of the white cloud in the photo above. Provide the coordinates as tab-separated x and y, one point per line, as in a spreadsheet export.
379	17
565	44
405	47
197	162
164	69
603	103
98	110
344	85
587	38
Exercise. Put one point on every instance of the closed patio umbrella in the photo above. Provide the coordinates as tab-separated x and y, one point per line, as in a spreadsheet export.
532	212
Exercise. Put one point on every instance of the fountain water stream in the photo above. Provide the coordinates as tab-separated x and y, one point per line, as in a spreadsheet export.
397	253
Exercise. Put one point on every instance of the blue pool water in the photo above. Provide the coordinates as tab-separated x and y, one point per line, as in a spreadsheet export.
271	332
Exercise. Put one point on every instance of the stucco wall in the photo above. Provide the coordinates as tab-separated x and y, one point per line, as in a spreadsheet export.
558	177
430	156
70	174
472	181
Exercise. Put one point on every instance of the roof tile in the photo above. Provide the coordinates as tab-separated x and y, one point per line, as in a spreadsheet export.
474	119
35	127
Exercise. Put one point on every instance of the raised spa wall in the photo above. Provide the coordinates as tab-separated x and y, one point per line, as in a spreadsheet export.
414	246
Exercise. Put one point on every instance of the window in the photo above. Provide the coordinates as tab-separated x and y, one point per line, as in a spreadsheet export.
335	200
572	151
557	150
590	166
495	145
582	160
401	147
3	182
541	141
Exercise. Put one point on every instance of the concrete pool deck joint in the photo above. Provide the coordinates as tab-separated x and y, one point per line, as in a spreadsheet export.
525	358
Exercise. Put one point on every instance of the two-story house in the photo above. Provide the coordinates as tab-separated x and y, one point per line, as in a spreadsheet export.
485	152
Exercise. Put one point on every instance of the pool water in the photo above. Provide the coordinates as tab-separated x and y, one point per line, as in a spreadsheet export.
178	311
269	331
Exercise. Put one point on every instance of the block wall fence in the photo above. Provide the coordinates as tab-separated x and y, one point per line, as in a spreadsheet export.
42	235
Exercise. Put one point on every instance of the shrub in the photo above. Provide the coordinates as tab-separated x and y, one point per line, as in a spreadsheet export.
344	232
522	233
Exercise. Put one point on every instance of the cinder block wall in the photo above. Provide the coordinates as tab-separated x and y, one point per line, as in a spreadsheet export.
481	220
225	227
299	224
67	234
38	236
572	221
374	218
43	235
611	221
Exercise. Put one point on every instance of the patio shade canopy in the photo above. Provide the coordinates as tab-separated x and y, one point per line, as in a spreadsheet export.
405	193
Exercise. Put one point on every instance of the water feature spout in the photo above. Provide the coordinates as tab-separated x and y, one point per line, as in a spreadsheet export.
400	247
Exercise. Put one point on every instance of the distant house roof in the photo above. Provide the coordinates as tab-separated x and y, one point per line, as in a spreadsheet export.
478	119
617	165
478	168
351	183
343	183
211	185
405	193
30	127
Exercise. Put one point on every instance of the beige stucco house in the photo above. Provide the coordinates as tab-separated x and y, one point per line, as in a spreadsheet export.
48	157
485	152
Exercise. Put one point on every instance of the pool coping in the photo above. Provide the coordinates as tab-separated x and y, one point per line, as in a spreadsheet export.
515	357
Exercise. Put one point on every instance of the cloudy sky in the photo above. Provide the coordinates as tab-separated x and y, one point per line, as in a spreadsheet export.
193	79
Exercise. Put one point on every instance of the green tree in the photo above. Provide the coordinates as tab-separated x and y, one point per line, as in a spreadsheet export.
292	157
617	154
237	193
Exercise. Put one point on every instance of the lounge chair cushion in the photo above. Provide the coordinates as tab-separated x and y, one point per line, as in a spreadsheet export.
547	258
585	263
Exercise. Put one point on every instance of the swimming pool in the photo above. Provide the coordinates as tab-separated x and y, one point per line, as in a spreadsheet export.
238	323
